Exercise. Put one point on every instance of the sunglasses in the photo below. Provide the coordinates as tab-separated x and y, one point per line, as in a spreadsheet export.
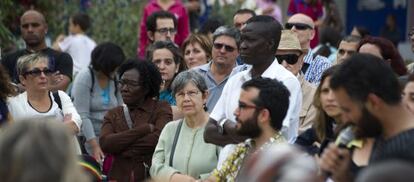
37	72
298	26
289	58
226	47
166	30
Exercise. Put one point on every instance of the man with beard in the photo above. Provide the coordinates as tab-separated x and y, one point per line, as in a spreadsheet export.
34	29
368	92
259	41
261	108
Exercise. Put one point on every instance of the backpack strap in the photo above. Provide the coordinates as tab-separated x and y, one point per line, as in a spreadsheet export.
92	78
177	134
57	99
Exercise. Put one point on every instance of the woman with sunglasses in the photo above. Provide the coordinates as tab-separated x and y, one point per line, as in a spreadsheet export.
130	132
169	60
38	100
181	153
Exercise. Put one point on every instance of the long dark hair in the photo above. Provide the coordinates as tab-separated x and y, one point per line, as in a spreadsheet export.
6	88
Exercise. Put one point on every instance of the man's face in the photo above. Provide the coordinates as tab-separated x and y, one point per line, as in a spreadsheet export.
165	30
345	50
367	125
247	113
225	50
254	45
303	28
239	20
33	29
290	59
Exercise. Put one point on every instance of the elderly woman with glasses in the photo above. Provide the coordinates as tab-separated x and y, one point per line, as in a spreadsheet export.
38	100
181	153
130	132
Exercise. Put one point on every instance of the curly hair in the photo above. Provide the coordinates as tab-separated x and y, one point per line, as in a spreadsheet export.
6	88
148	74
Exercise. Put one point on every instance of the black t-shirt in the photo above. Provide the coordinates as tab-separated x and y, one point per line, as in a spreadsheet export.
58	61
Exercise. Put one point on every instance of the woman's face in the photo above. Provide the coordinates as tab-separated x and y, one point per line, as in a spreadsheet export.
131	87
194	55
164	59
408	96
36	77
190	100
327	99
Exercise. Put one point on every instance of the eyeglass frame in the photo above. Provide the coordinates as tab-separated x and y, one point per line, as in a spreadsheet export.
298	26
165	30
242	106
36	72
181	95
282	57
220	46
128	83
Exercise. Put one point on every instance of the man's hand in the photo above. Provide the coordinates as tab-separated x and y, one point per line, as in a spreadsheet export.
336	162
58	81
96	150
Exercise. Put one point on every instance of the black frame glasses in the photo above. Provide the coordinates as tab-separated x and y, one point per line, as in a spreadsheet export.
243	106
289	58
298	26
219	46
128	83
37	72
166	30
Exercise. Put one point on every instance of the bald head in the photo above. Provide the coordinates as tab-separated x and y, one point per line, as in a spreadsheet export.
33	28
303	26
302	18
35	14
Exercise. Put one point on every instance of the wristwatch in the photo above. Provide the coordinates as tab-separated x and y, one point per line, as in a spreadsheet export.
221	125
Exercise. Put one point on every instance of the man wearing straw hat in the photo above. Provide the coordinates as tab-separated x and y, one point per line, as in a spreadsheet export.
290	55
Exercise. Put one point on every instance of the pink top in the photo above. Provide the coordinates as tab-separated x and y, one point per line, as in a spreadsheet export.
183	26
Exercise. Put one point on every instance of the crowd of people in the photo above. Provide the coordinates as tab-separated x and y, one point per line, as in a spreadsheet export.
251	101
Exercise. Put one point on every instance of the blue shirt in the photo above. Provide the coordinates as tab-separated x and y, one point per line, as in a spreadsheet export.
166	95
214	88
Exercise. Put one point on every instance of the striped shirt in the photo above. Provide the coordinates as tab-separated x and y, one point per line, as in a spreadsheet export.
317	65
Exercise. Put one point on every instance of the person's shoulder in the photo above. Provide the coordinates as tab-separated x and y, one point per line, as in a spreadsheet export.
172	125
14	55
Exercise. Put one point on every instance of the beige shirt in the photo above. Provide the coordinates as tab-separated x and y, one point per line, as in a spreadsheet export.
308	110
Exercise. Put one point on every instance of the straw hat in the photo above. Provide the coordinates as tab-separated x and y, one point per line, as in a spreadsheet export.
289	41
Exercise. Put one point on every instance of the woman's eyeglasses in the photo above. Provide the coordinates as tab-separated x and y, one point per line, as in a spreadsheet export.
298	26
289	58
128	83
37	72
190	93
226	47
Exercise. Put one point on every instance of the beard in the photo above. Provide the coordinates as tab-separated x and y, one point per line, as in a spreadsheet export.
368	126
249	127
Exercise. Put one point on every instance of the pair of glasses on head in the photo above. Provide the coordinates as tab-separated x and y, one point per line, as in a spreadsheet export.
190	93
219	46
166	30
298	26
289	58
37	72
128	83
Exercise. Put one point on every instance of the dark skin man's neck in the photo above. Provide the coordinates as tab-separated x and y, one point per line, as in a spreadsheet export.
36	48
258	69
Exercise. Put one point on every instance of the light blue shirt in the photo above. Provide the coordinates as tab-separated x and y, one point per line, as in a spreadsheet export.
214	88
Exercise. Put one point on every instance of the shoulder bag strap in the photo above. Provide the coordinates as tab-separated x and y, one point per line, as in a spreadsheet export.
177	133
127	116
57	99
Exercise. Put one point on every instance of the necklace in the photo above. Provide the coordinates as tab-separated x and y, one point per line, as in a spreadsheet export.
233	163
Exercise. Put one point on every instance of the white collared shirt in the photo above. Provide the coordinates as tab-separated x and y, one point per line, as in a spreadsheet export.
229	99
